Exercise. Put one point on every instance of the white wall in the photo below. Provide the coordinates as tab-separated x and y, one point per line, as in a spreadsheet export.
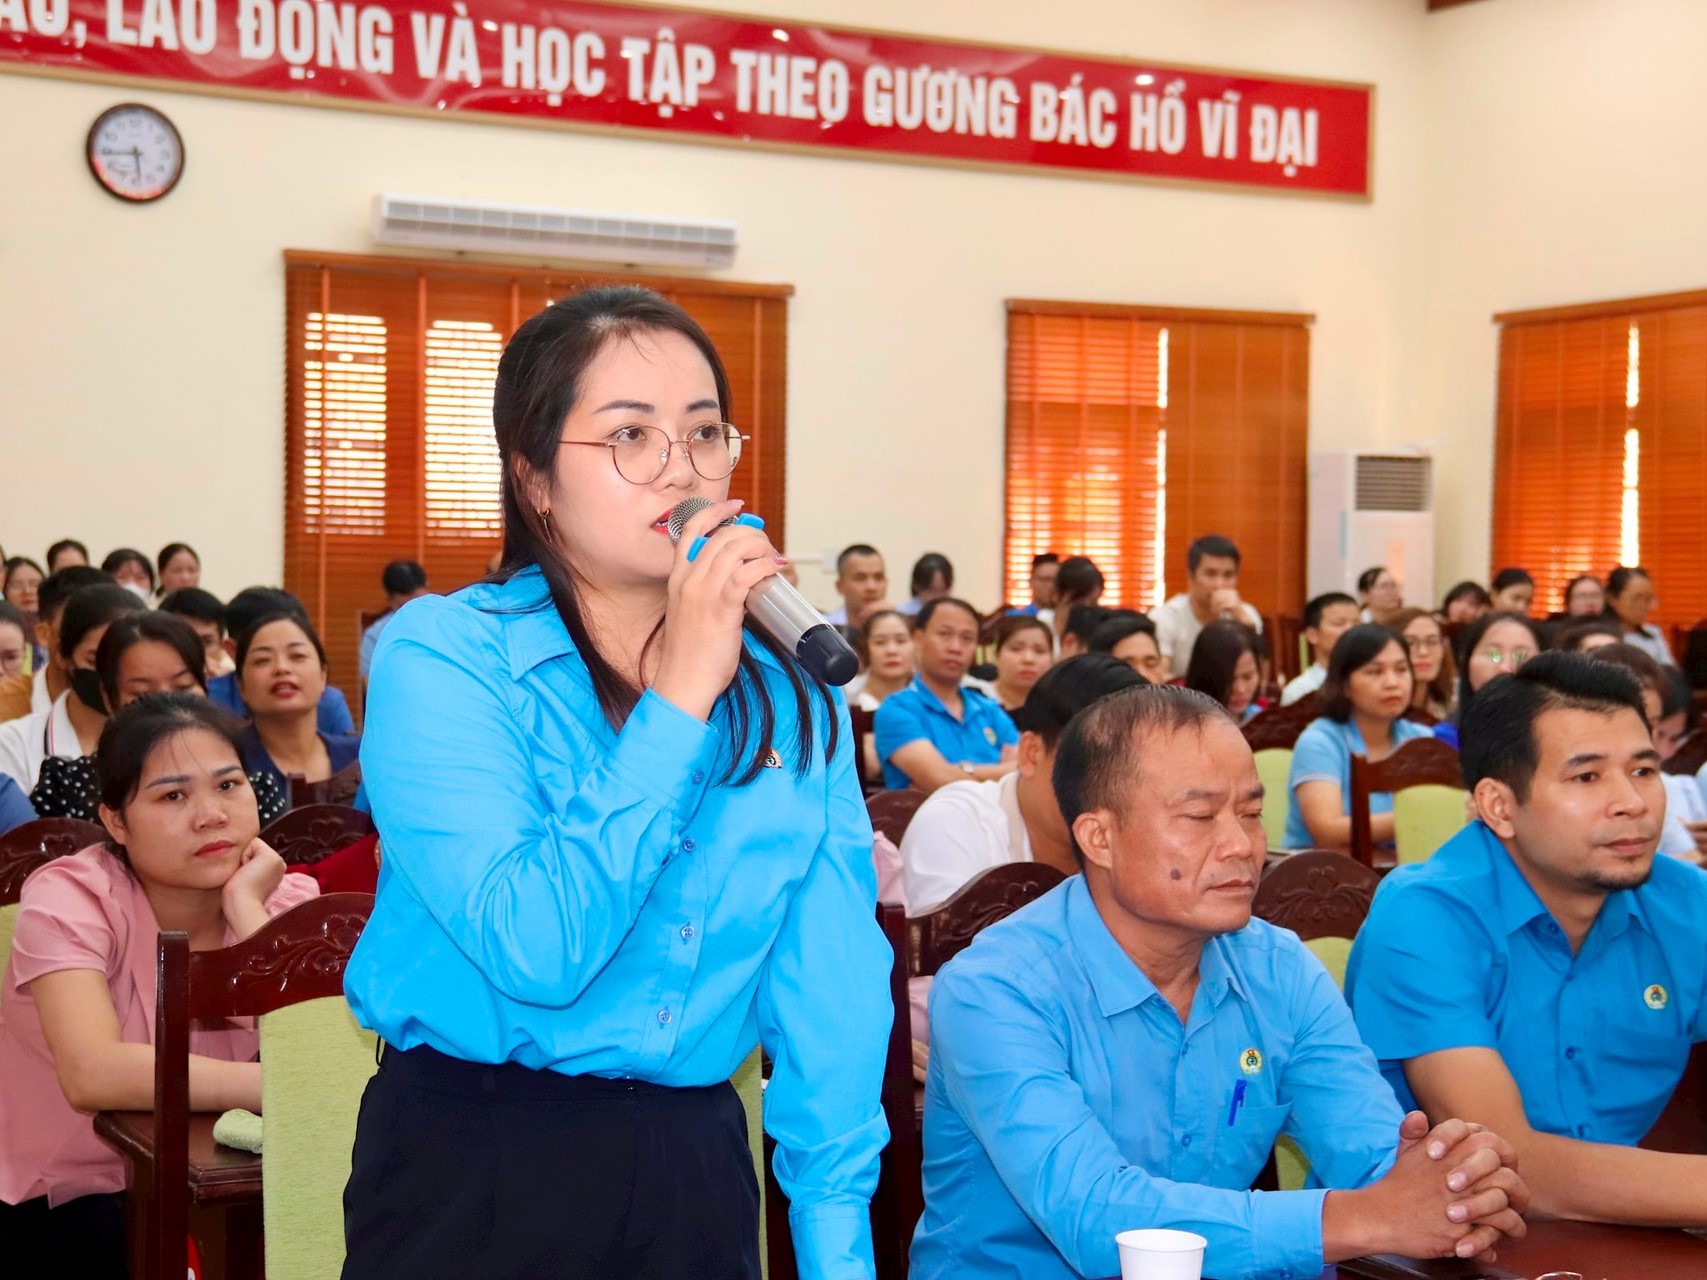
1563	166
141	399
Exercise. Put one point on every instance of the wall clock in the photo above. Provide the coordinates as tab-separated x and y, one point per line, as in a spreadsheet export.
135	152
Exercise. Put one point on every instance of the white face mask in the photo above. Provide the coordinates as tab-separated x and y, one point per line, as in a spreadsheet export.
136	589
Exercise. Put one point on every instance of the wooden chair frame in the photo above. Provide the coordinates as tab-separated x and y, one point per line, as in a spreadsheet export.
34	844
299	955
1316	893
921	946
1419	762
304	836
891	811
1279	727
340	788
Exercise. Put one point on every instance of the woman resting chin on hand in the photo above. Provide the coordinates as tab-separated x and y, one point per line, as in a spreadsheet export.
78	1001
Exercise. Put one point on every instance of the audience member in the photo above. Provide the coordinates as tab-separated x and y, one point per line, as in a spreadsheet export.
71	724
1512	591
1495	644
241	613
1543	973
21	583
1213	565
1077	623
141	652
1326	619
1379	594
15	811
935	732
1226	664
1125	1051
65	554
1465	603
968	827
1684	834
15	648
1433	672
1676	723
1131	637
403	581
1077	581
77	1004
281	672
131	570
1584	597
205	615
885	647
1044	567
1024	649
20	695
861	582
932	579
1583	634
1364	701
180	567
1630	599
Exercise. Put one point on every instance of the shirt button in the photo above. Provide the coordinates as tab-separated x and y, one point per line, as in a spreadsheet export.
687	933
1570	1053
689	845
1185	1141
1582	1131
663	1017
698	776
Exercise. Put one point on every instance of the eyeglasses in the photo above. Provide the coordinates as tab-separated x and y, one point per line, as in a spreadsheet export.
1499	657
1423	644
641	454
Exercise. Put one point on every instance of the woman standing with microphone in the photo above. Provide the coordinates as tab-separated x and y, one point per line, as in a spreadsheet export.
624	844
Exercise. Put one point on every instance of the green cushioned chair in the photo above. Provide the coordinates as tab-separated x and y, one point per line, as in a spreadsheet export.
1289	1162
1274	767
1424	818
315	1062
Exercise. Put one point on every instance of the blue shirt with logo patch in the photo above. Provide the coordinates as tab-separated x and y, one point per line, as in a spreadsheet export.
1459	952
916	713
1065	1102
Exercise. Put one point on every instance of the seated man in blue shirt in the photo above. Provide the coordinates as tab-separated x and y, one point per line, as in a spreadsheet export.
1124	1052
937	731
1544	974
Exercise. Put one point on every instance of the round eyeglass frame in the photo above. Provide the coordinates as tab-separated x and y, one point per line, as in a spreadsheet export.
733	436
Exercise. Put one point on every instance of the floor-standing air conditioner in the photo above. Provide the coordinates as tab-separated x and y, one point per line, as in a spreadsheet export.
1369	509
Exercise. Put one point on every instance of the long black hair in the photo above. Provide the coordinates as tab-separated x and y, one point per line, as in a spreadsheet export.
539	383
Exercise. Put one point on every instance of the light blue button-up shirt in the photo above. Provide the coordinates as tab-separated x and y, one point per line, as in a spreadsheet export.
915	713
573	898
1458	952
1065	1102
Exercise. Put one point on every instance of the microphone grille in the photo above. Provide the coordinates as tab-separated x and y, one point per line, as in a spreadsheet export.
684	511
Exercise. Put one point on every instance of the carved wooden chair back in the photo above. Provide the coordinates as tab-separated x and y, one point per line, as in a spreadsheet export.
1316	894
1290	656
864	725
1420	762
936	937
1279	727
340	788
1691	756
299	955
891	811
304	836
27	847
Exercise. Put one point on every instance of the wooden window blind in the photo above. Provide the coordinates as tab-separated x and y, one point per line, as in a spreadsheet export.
1133	430
389	451
1600	451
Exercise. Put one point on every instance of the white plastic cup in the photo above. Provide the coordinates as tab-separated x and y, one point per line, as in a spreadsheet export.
1156	1253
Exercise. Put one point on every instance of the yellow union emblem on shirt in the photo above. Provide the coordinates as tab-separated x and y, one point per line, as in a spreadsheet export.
1250	1061
990	735
1656	997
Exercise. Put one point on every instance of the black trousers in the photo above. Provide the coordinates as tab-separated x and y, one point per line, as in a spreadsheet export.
463	1170
82	1237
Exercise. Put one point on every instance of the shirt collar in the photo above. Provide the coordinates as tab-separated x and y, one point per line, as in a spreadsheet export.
1118	983
1519	905
1019	839
535	632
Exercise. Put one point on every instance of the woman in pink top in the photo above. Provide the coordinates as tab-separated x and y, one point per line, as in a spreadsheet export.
77	1002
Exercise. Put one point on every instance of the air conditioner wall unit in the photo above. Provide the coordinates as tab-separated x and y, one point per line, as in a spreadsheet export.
1369	509
536	231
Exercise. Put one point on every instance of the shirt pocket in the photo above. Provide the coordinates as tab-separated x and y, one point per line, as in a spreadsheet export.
1634	1072
1242	1148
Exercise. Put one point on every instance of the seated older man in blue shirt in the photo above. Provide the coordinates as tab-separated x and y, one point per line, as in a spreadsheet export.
1544	973
1124	1052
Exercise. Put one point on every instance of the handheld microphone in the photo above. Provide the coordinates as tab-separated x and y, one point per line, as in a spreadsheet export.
786	615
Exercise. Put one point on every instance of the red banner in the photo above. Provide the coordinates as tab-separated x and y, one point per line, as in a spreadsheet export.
695	75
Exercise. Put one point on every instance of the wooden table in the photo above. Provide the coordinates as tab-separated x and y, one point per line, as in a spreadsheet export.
1597	1252
224	1189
